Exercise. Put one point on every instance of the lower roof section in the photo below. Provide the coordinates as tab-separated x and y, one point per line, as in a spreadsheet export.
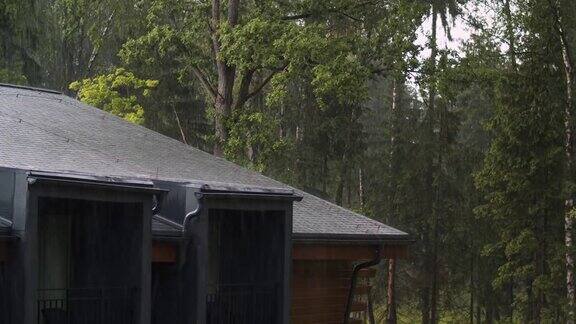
163	228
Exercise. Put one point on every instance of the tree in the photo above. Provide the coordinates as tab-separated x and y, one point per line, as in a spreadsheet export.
119	93
567	60
443	10
235	49
518	176
19	39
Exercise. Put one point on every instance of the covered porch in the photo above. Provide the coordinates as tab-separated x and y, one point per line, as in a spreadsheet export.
88	252
331	281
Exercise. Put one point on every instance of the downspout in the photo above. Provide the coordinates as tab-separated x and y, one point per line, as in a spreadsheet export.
157	204
189	218
193	214
357	269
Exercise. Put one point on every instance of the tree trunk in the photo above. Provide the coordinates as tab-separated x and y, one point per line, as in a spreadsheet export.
425	304
393	164
96	49
342	179
391	317
226	77
569	155
325	172
348	188
436	169
182	134
222	93
434	284
391	314
394	126
223	106
510	34
361	189
472	292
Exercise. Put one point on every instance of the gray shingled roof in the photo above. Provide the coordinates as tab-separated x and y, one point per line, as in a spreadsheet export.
165	227
4	229
45	131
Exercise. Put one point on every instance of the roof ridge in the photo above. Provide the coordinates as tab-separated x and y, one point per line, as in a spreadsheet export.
17	86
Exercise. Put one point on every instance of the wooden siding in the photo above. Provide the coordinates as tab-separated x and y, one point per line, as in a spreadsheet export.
164	252
333	252
321	280
347	252
320	291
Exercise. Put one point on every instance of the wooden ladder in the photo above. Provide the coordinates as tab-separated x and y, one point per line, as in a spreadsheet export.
360	310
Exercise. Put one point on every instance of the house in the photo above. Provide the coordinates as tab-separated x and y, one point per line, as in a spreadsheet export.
104	221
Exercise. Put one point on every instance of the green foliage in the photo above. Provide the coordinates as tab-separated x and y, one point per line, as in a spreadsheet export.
520	175
19	38
253	141
9	76
119	93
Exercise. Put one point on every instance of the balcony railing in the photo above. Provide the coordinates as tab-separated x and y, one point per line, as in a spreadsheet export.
242	304
87	306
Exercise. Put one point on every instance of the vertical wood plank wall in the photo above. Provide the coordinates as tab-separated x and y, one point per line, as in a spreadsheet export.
320	291
321	281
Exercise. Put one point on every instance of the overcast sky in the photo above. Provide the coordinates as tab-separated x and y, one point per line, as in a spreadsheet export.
460	31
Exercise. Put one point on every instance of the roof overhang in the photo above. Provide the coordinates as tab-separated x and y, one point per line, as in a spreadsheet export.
352	239
239	191
115	183
248	195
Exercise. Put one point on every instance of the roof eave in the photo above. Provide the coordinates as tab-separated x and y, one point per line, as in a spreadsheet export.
92	181
355	239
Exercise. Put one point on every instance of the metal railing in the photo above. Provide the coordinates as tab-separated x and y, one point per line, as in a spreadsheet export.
87	306
242	304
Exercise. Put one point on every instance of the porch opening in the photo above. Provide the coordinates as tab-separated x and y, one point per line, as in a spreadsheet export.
89	261
245	272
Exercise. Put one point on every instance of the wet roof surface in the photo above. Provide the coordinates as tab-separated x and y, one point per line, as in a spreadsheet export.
48	131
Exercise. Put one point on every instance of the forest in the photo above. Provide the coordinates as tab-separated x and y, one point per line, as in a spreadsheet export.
464	142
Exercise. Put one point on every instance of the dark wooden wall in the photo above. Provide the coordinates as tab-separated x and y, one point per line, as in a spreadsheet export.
319	291
321	281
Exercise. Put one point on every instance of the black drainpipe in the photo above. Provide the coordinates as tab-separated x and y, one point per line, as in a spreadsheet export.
193	214
188	218
157	206
357	269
